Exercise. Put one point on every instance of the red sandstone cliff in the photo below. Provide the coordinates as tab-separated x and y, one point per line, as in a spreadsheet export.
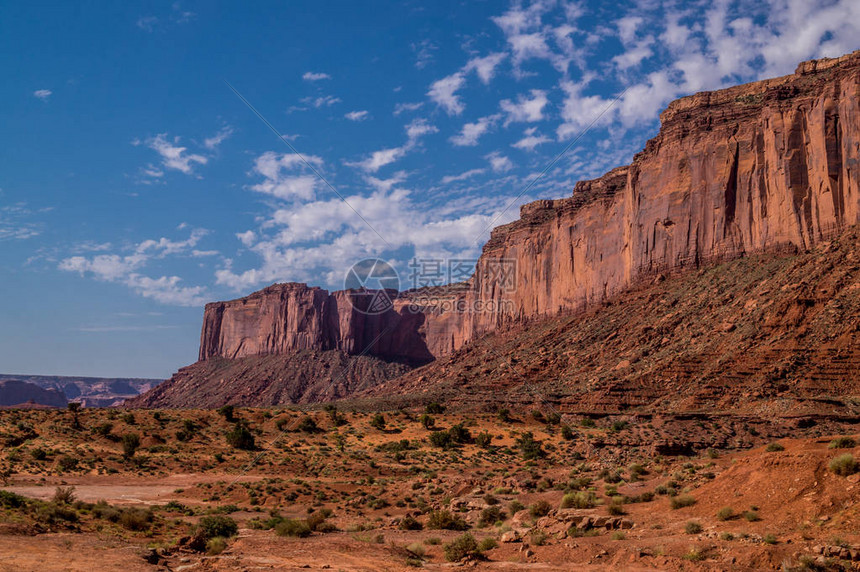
760	166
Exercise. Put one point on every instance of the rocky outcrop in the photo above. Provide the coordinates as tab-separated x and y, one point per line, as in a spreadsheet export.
769	165
14	393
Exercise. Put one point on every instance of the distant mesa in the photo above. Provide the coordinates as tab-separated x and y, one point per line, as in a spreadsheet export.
89	391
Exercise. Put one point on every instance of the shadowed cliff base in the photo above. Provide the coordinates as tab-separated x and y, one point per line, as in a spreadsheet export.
261	381
770	334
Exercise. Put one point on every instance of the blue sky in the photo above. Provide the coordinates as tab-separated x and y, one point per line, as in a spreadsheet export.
135	185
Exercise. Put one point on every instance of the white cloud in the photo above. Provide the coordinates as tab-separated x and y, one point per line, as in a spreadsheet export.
404	107
462	176
634	55
498	162
423	53
321	101
471	132
213	142
315	76
485	67
42	94
386	185
578	111
525	109
173	156
414	131
285	176
357	115
531	140
124	269
444	93
147	23
627	27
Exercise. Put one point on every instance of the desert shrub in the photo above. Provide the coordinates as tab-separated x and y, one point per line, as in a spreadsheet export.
537	415
567	433
433	541
215	546
38	454
725	513
636	469
227	412
692	527
843	465
616	507
240	437
491	515
410	523
587	422
618	535
11	500
128	418
774	447
516	506
427	421
487	544
104	429
52	514
317	521
444	520
459	433
441	439
553	418
64	495
694	555
378	421
334	416
681	501
483	440
769	539
67	463
462	547
307	425
843	443
529	447
434	409
293	527
130	443
136	519
619	425
505	415
216	525
751	515
539	537
579	499
540	508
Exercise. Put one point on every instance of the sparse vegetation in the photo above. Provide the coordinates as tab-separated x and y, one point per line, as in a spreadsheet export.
843	465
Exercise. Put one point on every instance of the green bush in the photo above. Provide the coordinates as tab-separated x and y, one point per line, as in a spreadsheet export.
378	421
410	523
227	412
751	516
11	500
441	439
462	547
483	440
459	433
216	546
136	519
487	544
434	409
692	527
294	528
843	443
491	515
530	448
579	499
774	447
240	437
844	465
427	421
307	425
505	415
567	433
444	520
587	422
130	443
726	513
540	508
681	501
216	525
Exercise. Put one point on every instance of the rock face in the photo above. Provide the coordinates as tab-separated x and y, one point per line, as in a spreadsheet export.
14	392
768	165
